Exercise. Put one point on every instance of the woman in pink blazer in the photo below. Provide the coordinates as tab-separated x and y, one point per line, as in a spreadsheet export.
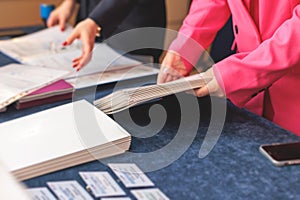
264	74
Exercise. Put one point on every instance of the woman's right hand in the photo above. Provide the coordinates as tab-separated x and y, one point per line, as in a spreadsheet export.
61	15
172	68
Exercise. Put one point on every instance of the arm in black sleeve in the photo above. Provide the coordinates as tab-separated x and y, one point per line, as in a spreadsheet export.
108	14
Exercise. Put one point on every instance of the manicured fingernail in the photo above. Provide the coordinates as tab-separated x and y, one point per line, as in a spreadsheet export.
64	43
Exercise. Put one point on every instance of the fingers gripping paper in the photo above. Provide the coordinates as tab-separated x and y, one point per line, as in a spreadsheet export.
123	99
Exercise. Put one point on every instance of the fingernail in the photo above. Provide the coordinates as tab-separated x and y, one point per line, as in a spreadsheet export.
164	70
64	43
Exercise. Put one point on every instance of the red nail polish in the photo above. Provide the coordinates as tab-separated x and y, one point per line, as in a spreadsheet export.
64	43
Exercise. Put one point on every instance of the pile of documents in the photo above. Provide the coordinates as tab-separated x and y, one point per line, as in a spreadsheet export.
126	98
58	138
18	81
42	52
57	91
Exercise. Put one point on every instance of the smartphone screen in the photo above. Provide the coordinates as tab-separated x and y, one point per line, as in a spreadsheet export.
283	152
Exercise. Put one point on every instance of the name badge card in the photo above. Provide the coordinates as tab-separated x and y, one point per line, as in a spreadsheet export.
149	194
69	190
101	184
41	193
131	175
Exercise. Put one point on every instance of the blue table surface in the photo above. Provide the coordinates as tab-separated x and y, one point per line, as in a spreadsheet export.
234	169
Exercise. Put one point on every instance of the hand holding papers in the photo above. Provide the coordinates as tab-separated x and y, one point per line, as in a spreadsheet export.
44	49
127	98
41	43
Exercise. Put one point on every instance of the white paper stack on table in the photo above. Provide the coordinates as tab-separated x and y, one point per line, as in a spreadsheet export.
19	80
58	138
123	99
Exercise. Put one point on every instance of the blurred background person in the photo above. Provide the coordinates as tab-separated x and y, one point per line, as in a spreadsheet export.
106	18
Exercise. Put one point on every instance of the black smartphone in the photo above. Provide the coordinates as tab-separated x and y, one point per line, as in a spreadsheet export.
282	154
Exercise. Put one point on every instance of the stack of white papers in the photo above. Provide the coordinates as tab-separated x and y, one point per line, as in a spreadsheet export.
58	138
123	99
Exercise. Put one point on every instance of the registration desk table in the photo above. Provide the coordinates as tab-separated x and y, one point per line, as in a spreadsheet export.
234	169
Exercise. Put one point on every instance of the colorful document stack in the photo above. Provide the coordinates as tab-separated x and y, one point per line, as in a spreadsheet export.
57	91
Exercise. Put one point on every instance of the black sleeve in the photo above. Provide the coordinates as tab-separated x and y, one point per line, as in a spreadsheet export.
108	14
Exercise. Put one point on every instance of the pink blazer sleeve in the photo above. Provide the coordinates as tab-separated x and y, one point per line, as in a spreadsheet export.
245	74
205	19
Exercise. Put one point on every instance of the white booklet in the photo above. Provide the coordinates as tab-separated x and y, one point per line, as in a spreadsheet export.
126	98
19	80
58	138
44	49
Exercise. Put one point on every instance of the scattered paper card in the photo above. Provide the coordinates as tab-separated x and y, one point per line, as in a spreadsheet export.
101	184
69	190
149	194
131	175
116	198
41	193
